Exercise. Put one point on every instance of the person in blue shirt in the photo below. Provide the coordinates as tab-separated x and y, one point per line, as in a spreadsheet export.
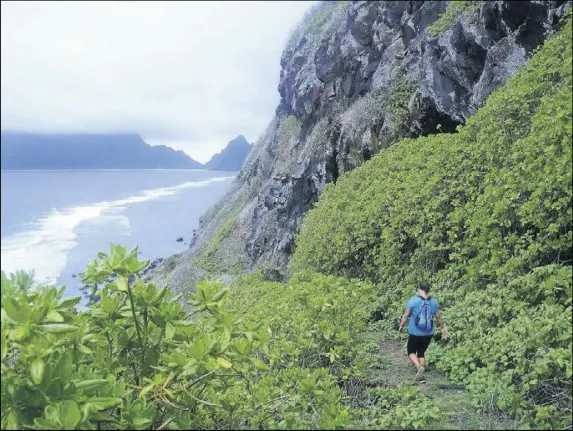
420	312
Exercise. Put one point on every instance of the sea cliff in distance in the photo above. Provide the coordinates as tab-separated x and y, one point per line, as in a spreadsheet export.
88	151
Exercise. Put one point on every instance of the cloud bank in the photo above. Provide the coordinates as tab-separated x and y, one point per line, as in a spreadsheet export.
192	75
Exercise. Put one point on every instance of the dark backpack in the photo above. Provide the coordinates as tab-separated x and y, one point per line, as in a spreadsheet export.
425	319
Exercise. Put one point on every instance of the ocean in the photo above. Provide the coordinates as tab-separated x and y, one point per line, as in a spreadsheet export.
55	222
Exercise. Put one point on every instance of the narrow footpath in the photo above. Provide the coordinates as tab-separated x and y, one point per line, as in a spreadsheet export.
396	370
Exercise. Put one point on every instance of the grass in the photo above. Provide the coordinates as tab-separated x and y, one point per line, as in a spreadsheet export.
208	257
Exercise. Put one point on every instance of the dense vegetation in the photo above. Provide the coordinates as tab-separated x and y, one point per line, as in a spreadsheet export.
484	214
136	360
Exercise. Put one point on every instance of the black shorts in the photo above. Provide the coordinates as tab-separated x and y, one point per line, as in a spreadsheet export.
418	344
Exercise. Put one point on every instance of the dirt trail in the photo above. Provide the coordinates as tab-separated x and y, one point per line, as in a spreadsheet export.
396	370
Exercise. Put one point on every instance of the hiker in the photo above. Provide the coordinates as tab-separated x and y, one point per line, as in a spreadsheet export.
421	310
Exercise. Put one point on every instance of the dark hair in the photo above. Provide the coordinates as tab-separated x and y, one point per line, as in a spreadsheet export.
422	285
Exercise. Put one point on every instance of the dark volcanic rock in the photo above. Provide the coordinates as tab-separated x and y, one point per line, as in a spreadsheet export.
152	265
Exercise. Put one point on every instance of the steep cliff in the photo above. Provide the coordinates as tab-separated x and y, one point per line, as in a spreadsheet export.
356	77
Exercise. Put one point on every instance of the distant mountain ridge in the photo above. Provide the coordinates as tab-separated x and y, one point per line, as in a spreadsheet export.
88	151
232	157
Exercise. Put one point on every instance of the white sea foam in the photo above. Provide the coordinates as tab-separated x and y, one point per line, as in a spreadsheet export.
45	245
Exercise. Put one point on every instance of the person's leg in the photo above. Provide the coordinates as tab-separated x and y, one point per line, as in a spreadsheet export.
414	359
423	345
412	347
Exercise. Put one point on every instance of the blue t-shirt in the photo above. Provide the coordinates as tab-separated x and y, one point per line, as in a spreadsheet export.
415	305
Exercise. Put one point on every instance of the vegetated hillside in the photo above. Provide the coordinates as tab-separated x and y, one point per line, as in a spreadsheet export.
88	151
486	216
232	157
355	78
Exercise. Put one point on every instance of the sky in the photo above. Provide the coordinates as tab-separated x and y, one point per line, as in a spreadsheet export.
191	75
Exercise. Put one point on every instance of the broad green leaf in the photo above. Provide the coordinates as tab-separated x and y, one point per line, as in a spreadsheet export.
51	414
182	322
122	283
85	350
169	331
12	311
218	296
223	363
54	316
87	386
37	368
70	414
58	328
146	389
68	303
141	423
64	367
12	421
259	364
102	416
161	294
104	403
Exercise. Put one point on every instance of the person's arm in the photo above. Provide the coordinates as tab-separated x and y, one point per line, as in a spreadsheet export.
441	324
404	319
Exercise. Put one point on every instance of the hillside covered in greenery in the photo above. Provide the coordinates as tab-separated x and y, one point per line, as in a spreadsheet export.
483	214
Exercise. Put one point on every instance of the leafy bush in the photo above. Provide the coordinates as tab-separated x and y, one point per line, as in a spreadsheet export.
400	408
314	318
481	214
135	360
453	10
315	321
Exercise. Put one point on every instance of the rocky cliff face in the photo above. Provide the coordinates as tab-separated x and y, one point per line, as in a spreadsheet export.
356	77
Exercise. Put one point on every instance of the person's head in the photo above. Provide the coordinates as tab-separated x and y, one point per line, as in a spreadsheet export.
423	288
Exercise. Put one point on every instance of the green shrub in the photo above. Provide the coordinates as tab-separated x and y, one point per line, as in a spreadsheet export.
135	360
401	408
479	213
314	318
